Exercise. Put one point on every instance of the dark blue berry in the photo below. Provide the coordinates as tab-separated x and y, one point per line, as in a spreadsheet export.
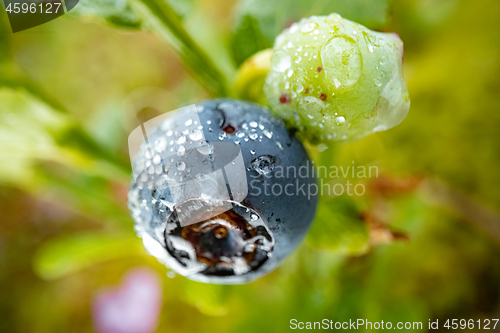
228	197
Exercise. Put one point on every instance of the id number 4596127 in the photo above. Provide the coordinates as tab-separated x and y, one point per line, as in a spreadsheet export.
485	324
41	8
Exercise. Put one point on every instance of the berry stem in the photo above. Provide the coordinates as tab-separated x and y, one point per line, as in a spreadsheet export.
166	23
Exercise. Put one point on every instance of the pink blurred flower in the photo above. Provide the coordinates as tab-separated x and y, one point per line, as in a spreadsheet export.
132	308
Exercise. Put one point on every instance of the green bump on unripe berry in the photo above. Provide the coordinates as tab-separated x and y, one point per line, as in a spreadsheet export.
337	80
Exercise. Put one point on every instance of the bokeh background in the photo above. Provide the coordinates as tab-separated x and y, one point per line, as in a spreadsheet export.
422	243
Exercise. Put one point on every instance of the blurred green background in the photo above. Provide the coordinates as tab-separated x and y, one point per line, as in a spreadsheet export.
422	243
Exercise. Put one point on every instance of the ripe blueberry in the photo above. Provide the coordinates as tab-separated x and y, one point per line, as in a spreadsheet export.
225	195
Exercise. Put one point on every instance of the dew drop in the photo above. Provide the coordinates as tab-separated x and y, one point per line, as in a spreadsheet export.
267	134
196	135
308	27
340	120
180	150
341	59
181	139
160	144
298	87
322	147
188	122
280	61
263	164
180	165
158	169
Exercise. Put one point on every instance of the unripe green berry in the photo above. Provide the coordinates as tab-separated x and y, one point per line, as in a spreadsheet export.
337	80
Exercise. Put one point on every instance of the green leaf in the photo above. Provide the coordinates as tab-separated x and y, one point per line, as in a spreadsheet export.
114	12
339	227
61	257
248	39
258	22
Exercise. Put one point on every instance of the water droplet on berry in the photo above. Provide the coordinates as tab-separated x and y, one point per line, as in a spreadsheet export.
267	134
281	61
181	139
195	135
263	164
341	60
180	165
160	144
308	27
180	150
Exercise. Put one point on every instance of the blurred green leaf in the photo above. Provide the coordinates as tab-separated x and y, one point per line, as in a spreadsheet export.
61	257
32	131
209	299
182	7
164	18
5	32
91	196
166	22
27	127
114	12
258	22
118	12
339	227
248	39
